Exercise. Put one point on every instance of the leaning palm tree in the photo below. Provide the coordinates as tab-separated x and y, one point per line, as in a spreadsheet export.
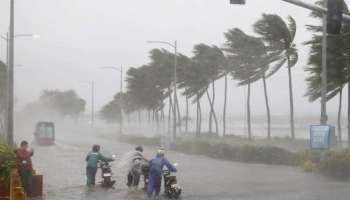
248	59
279	36
338	73
210	59
194	84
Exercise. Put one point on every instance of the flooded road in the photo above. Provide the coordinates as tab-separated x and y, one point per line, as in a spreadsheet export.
202	178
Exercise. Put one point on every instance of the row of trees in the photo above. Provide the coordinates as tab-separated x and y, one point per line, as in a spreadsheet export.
58	103
3	96
245	58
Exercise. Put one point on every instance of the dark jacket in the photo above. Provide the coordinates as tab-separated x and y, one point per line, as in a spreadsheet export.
94	157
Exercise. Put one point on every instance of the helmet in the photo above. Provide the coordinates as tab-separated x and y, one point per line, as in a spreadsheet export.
96	148
160	151
139	148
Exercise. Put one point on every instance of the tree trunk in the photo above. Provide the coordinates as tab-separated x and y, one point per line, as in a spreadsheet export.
213	110
162	118
179	121
224	113
157	120
200	117
186	125
197	118
248	114
291	104
213	115
210	113
267	109
171	108
149	117
339	115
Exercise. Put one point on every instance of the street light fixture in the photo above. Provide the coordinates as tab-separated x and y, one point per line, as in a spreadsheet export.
174	46
120	70
92	85
6	38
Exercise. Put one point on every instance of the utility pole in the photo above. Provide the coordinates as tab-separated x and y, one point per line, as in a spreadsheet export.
323	119
92	89
11	76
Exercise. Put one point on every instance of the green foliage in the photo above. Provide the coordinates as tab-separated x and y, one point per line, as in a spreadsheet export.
267	155
279	37
65	103
150	84
312	155
309	166
338	50
203	68
247	56
224	151
331	163
3	79
111	111
7	162
336	164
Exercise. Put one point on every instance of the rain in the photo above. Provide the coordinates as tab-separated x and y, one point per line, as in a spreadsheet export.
240	99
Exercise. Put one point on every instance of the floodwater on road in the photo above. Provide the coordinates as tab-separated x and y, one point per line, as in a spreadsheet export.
202	178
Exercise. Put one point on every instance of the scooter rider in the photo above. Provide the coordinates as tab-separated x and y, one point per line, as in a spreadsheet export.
92	159
155	173
135	172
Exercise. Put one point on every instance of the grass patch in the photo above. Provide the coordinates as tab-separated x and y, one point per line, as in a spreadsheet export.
333	163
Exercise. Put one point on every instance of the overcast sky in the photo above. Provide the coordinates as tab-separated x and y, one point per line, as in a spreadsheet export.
79	36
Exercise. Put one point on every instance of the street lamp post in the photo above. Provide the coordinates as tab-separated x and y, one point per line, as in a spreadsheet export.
92	85
175	81
9	38
121	103
10	75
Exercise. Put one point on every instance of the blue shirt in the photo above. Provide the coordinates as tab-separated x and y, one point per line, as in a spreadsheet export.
157	164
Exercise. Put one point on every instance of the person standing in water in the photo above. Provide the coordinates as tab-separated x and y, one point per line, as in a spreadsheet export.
135	171
92	160
24	165
155	173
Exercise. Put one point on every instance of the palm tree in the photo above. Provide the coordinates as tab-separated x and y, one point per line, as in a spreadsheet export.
225	107
193	83
248	59
183	63
210	59
280	39
3	86
338	73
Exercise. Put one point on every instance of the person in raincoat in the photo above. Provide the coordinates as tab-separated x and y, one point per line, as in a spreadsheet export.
135	171
92	160
24	166
155	173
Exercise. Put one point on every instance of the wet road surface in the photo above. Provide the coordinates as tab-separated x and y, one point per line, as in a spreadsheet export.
202	178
